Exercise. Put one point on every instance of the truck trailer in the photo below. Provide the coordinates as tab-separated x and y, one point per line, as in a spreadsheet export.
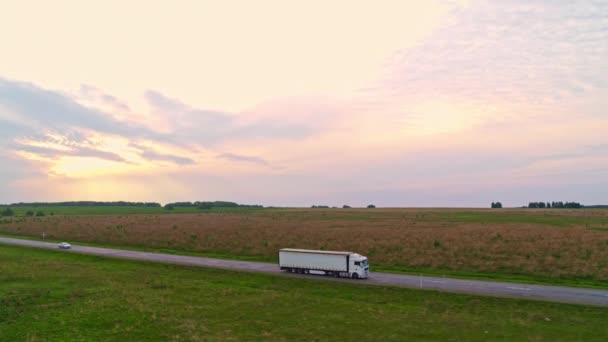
331	263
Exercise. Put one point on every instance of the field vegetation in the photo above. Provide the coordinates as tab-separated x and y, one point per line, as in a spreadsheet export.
52	295
550	245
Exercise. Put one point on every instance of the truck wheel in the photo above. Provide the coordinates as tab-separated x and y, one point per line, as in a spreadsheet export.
355	276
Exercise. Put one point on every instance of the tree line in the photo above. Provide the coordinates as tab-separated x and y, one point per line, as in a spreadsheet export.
496	205
209	205
7	212
559	204
86	204
197	204
370	206
10	212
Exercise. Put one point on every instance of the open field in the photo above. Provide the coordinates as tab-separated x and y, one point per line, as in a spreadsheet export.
49	295
545	245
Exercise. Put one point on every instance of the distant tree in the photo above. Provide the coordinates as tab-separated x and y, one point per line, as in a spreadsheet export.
182	204
371	206
536	205
205	205
210	205
346	206
496	205
225	204
555	204
572	205
169	207
40	213
29	213
7	212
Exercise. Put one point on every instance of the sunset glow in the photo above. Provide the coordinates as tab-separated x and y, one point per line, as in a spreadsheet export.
399	103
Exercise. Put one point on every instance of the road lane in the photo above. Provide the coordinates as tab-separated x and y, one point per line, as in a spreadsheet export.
478	287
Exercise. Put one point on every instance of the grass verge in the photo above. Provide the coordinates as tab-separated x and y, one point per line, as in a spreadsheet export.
51	295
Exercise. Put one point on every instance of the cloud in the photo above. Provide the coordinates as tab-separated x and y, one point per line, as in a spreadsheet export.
8	130
94	94
509	58
213	127
47	125
241	158
52	109
15	168
151	154
201	126
167	157
50	124
77	152
179	110
29	111
598	147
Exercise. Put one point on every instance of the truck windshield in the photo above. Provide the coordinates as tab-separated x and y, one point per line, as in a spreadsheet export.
364	262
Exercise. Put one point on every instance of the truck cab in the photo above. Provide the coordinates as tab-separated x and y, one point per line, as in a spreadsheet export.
359	266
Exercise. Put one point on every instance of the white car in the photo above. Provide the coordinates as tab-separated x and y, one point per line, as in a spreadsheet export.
64	245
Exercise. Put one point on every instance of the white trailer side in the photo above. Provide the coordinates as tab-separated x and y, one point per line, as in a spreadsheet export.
314	260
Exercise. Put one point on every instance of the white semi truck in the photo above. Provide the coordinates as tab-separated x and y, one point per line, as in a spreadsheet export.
337	264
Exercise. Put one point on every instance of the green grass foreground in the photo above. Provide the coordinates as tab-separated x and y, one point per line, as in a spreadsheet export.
52	295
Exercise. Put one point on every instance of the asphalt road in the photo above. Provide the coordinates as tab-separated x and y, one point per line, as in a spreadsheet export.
478	287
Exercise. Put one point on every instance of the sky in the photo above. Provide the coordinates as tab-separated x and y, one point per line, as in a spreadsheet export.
434	103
